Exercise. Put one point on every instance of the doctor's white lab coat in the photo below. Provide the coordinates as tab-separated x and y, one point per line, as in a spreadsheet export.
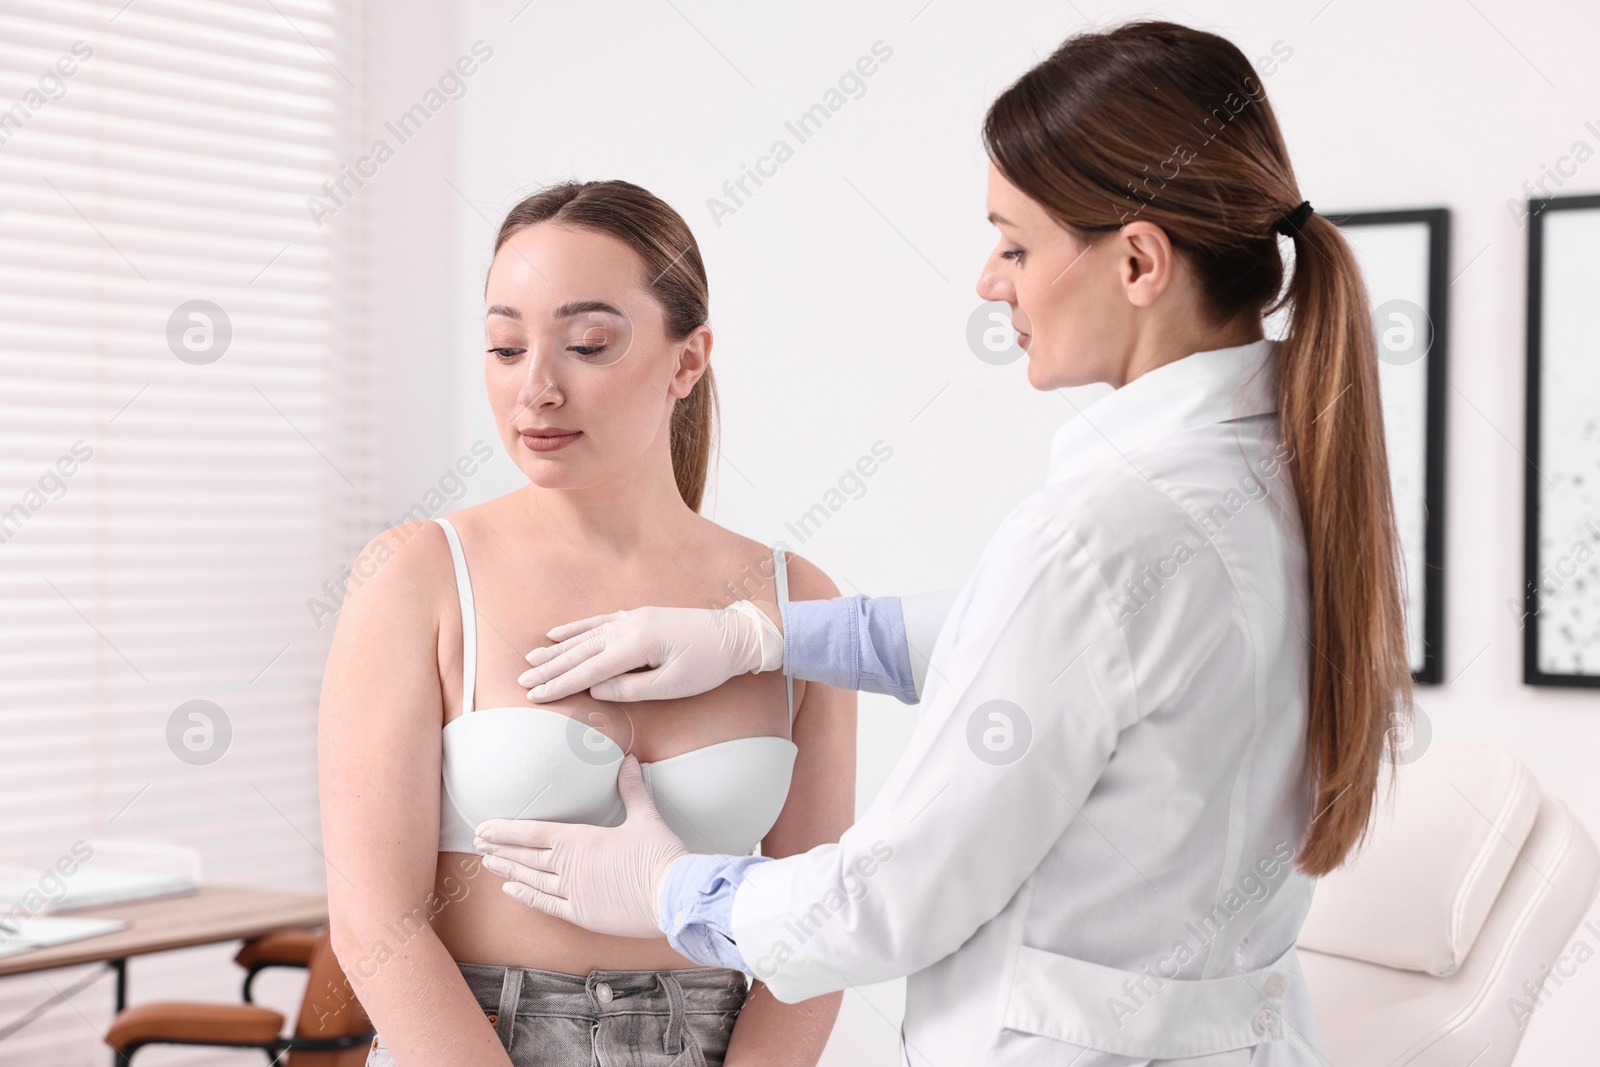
1083	855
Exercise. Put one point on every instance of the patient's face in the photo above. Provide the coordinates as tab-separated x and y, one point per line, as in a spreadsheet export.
577	343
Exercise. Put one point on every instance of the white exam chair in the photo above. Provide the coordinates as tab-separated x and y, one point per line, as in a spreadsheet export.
1470	885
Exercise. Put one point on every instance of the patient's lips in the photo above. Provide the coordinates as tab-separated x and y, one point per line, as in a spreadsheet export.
548	438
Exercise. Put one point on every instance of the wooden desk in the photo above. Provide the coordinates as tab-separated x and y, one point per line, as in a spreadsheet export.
214	913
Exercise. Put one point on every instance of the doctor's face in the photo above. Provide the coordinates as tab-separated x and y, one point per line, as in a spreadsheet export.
581	375
1067	302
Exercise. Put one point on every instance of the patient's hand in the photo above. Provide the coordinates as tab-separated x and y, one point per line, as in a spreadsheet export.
655	653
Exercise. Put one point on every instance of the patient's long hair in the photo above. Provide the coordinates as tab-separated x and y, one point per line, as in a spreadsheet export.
1158	121
673	271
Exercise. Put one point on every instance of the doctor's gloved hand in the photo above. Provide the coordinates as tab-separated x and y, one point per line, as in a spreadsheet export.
686	651
603	878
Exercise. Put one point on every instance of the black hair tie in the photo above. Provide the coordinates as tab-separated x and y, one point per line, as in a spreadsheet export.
1297	218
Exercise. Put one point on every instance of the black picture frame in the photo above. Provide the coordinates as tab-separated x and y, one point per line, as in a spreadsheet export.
1432	578
1532	673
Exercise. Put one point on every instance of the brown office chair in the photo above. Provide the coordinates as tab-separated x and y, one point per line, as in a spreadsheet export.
332	1031
281	948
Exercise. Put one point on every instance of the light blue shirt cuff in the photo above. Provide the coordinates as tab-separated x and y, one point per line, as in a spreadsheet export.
854	642
696	907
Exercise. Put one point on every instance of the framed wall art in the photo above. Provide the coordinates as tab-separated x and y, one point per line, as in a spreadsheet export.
1405	257
1561	481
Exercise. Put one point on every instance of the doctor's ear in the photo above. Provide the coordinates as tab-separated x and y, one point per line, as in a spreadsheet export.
694	357
1146	261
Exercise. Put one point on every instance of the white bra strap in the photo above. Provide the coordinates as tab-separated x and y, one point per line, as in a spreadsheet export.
469	622
781	569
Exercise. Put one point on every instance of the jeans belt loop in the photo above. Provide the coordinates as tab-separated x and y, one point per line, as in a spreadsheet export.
679	1020
510	996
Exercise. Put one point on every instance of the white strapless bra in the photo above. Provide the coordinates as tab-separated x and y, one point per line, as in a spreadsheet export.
535	763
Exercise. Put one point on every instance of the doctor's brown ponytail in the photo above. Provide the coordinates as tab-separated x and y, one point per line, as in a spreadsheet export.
1157	121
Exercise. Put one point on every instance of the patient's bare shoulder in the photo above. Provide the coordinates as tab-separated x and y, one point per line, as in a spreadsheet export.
754	568
807	581
402	568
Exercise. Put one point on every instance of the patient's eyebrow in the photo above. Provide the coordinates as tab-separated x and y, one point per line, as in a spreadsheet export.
1000	219
563	311
583	307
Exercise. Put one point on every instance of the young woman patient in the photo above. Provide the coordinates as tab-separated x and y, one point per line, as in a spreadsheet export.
599	379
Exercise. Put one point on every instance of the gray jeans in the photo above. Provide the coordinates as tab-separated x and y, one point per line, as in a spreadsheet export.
677	1018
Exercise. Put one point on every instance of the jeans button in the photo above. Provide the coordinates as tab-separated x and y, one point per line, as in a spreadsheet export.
603	992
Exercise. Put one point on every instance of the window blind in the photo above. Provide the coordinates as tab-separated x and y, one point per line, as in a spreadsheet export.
184	455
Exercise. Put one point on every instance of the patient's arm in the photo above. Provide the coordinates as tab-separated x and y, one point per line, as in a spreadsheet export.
378	745
820	807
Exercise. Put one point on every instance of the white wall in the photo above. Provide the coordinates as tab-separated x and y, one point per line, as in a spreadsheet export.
842	288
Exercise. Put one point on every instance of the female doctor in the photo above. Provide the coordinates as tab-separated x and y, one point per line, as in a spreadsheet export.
1157	710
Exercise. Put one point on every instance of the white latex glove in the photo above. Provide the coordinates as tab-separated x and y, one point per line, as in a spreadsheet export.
689	651
603	878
